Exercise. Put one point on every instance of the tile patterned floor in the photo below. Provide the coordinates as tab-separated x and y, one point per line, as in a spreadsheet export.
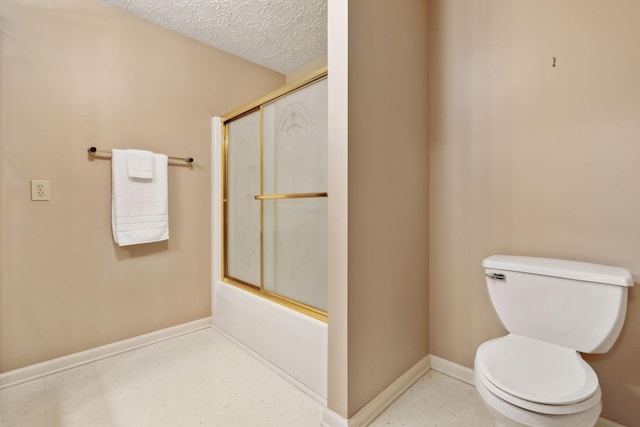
203	379
437	400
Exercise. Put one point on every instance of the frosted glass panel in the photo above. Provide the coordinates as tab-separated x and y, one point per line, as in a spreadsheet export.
295	161
243	211
295	250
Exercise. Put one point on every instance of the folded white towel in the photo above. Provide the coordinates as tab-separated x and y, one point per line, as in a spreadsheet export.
140	164
140	208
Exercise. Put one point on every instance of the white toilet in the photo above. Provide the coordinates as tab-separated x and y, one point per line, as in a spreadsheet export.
552	309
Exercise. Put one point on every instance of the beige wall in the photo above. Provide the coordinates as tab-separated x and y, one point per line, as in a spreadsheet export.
387	202
308	67
530	159
76	73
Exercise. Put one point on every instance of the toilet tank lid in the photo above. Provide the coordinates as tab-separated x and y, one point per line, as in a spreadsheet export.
575	270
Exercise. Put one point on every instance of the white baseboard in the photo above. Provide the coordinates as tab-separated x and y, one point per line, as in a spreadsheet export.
382	401
332	419
602	422
63	363
452	369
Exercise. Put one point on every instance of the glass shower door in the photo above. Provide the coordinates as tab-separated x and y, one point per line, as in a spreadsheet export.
295	167
275	199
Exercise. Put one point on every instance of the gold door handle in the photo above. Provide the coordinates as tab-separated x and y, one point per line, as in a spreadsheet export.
289	196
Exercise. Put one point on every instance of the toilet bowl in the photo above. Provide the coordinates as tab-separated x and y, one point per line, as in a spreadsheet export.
526	382
506	414
552	309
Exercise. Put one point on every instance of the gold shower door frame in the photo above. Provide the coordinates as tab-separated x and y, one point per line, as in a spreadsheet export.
254	107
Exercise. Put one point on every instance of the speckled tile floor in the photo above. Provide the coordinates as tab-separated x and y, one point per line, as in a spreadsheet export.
436	400
204	379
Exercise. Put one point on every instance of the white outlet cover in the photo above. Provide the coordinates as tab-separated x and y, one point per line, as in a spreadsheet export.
39	189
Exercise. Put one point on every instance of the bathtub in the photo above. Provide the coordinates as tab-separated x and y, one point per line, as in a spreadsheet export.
294	343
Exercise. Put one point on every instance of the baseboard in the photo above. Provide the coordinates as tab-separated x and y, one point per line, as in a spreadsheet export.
63	363
452	369
603	422
332	419
382	401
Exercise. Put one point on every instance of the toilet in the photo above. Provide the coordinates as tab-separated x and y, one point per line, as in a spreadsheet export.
552	310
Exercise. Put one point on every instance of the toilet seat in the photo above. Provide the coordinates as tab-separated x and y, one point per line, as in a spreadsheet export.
536	375
537	407
507	414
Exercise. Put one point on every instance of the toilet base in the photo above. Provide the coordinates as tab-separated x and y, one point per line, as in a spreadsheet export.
508	415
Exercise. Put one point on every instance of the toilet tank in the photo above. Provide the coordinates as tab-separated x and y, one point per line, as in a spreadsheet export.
572	304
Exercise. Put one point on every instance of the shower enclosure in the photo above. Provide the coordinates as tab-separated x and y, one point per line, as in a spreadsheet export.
269	222
275	198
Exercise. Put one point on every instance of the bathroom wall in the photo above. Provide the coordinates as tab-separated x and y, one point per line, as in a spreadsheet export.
527	158
75	73
378	326
307	68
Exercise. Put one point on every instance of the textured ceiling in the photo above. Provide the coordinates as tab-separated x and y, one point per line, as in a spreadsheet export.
278	34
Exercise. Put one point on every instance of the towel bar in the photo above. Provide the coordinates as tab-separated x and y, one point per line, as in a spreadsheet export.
289	196
94	151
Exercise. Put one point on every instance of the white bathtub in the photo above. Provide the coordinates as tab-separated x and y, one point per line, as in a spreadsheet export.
295	343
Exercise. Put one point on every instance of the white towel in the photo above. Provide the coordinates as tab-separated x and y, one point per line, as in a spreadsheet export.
140	207
140	163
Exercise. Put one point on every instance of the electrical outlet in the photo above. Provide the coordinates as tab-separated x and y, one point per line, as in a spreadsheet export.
39	189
